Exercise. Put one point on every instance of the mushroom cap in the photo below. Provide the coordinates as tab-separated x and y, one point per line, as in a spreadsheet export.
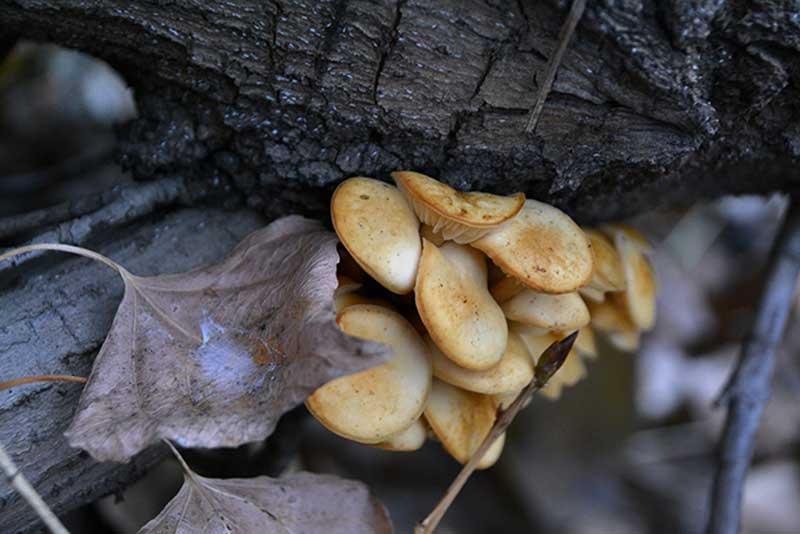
461	421
346	295
640	295
410	439
572	370
552	390
457	216
534	340
505	288
456	307
562	313
592	294
541	247
373	405
585	343
513	372
625	341
609	274
379	230
610	316
614	230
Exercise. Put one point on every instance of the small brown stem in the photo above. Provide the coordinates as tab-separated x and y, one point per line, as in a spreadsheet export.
564	37
547	365
41	378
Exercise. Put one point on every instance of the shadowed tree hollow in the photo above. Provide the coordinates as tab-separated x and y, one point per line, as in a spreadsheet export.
266	106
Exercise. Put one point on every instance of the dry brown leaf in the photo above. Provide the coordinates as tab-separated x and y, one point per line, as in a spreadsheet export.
303	503
213	357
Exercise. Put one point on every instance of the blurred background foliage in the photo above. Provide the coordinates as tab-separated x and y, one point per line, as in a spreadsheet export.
628	450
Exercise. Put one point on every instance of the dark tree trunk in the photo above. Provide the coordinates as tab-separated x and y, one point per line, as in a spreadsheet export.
655	101
270	104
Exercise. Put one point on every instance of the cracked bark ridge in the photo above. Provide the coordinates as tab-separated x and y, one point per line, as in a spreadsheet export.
56	314
279	100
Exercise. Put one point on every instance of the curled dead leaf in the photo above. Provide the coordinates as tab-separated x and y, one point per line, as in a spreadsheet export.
214	357
300	503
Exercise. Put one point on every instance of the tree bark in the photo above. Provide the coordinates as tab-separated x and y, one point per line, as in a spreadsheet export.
271	103
655	102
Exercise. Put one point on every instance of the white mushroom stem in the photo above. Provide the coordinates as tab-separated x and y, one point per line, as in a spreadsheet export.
17	480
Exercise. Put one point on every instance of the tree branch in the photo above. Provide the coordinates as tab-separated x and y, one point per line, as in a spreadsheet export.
749	389
564	37
647	108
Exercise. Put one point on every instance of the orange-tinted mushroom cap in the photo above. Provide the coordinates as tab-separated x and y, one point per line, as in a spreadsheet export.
542	248
373	405
379	230
457	216
456	307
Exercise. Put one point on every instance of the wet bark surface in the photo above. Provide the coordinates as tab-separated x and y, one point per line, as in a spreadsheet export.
276	102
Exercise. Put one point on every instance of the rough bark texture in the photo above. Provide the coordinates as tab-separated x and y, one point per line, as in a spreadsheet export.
279	100
56	311
271	103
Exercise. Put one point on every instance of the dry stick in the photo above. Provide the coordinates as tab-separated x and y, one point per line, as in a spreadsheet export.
564	36
18	481
41	378
548	363
749	389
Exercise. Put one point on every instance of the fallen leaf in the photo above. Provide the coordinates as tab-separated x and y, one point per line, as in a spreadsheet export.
214	357
303	503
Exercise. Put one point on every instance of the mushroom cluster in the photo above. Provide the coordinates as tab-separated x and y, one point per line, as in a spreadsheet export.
479	285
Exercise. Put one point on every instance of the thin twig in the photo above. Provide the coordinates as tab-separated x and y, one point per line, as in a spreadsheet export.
41	378
131	203
564	37
749	389
549	362
13	225
18	481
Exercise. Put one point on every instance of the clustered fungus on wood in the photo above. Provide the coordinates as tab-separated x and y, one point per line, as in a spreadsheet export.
466	341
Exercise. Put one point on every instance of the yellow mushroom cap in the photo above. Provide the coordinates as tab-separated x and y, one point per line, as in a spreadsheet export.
585	343
345	294
373	405
552	390
457	216
625	341
541	247
461	421
505	288
563	313
609	316
379	230
533	338
410	439
640	294
572	370
512	373
456	307
609	274
614	230
592	294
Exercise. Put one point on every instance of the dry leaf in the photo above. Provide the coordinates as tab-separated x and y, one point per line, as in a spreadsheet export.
213	357
302	503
